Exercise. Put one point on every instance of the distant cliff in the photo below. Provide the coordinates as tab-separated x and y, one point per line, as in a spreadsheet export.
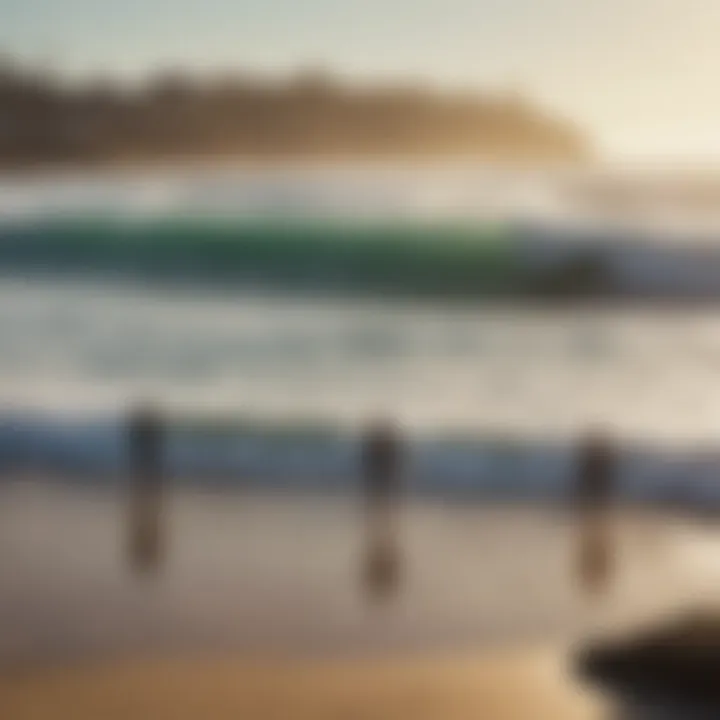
310	115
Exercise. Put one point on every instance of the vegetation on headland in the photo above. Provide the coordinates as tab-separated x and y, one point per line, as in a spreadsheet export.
173	116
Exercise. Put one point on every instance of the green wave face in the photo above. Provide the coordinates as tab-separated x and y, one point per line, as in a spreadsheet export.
436	259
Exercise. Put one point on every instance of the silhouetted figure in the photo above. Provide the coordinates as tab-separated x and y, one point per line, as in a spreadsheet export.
145	449
595	494
382	459
382	456
596	474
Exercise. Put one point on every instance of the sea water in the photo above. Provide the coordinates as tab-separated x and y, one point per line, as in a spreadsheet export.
271	314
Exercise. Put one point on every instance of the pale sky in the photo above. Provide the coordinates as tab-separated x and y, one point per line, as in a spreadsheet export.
642	75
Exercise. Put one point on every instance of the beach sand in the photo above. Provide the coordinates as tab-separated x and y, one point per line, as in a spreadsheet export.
504	685
259	610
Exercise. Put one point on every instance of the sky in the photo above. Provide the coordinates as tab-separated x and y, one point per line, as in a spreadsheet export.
640	75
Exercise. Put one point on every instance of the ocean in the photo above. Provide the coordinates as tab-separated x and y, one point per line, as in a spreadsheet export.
272	313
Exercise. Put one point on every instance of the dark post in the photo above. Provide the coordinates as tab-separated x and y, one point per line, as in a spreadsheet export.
145	447
596	492
382	459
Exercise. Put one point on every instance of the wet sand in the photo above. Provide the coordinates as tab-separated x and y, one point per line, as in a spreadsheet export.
278	574
259	609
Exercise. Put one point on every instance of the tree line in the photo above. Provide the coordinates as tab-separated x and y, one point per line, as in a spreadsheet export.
310	114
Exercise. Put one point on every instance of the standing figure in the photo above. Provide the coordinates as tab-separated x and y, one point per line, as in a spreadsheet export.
145	449
596	492
381	458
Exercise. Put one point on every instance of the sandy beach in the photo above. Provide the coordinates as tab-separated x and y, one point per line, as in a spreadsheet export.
282	574
259	609
510	685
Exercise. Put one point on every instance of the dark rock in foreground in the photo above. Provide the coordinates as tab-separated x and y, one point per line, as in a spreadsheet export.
670	670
